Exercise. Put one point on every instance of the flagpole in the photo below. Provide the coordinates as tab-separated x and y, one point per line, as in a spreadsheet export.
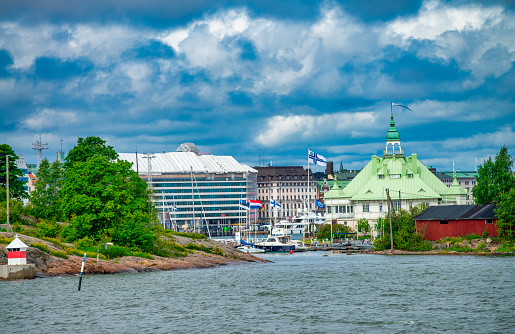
307	197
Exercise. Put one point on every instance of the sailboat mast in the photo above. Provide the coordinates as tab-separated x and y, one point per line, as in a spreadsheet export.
193	201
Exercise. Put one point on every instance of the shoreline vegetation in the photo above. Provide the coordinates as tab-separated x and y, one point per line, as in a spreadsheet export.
53	258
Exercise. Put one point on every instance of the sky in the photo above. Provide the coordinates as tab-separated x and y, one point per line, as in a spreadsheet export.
262	81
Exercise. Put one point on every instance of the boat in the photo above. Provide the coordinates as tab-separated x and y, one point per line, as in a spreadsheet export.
361	244
250	249
299	224
277	243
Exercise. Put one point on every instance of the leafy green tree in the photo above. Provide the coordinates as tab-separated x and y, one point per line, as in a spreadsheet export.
363	226
325	231
46	200
16	184
506	213
87	148
106	199
405	236
494	178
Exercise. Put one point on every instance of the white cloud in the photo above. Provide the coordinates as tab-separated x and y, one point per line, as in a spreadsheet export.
48	119
286	129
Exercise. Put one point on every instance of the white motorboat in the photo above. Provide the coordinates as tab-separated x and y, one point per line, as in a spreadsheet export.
250	250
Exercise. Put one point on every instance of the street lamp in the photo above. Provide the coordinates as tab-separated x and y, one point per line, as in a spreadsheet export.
98	248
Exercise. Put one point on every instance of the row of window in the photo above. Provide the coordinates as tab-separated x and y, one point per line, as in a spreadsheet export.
213	190
198	184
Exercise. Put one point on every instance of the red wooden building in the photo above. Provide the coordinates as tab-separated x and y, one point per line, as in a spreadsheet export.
457	221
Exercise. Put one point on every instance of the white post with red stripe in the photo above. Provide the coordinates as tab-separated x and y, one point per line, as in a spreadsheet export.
16	252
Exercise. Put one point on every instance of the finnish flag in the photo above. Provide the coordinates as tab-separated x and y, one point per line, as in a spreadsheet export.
316	159
274	204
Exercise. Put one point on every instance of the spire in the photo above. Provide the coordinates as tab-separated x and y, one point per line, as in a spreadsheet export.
392	139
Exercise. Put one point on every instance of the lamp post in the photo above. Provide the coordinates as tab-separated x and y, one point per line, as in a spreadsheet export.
98	248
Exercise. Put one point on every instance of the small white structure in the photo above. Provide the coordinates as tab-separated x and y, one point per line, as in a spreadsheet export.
16	252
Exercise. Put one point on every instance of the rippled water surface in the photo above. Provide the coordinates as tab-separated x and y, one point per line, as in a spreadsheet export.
299	293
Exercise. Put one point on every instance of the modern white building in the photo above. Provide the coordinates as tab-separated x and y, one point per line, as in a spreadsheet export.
187	185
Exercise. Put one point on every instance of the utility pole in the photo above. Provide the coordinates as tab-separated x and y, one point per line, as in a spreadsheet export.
390	218
193	201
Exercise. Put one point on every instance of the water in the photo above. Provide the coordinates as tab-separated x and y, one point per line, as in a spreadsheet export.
299	293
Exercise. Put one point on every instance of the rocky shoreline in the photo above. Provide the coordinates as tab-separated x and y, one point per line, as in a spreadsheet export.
52	266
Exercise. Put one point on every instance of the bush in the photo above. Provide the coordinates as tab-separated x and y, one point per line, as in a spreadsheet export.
115	251
40	246
85	242
6	241
144	255
481	245
58	253
199	248
48	229
472	236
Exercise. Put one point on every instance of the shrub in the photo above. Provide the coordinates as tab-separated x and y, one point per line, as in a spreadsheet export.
6	241
84	243
48	229
58	253
481	245
115	251
199	248
40	246
472	236
144	255
485	233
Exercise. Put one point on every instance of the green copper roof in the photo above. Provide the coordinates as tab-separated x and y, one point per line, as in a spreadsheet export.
392	134
405	174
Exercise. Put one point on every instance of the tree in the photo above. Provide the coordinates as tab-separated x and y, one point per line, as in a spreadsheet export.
325	231
87	148
494	178
106	199
46	200
363	225
506	213
16	184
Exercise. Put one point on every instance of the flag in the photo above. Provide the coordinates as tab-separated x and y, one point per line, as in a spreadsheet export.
174	208
244	204
319	204
274	204
254	204
400	105
316	159
223	215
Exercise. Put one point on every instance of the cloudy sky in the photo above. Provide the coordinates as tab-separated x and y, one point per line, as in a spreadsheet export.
263	78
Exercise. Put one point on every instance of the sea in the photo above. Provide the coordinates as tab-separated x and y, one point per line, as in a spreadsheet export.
311	292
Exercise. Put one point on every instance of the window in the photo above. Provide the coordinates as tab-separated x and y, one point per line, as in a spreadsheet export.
444	222
466	183
380	207
489	221
395	176
380	176
344	223
365	207
410	176
396	205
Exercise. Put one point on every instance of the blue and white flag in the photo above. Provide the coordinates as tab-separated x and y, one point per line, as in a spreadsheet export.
174	208
316	159
274	204
244	204
319	204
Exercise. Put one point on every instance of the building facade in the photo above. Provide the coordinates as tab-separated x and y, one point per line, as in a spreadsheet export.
195	191
465	179
288	186
408	182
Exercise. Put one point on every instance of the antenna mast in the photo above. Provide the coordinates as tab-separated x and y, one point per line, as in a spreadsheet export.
39	146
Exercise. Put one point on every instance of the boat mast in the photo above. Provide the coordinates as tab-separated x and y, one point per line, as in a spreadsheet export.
193	201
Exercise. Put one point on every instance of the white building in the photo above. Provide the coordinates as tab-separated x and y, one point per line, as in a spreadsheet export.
206	187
